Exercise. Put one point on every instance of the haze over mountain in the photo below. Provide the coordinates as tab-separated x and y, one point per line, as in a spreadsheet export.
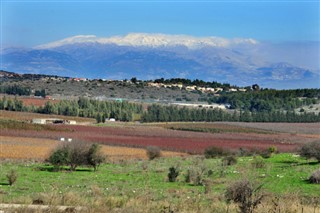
240	61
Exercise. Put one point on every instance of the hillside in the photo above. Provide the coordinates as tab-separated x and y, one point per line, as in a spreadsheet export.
63	87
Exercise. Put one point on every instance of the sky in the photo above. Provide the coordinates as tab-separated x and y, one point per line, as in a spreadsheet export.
31	23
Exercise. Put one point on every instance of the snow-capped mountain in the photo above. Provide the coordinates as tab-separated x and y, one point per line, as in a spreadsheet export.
151	40
147	56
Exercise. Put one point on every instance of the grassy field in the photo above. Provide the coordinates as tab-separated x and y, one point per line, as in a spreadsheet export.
142	185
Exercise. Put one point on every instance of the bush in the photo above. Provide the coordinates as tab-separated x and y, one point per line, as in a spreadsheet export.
266	154
94	156
272	149
12	177
196	176
213	152
246	194
173	174
244	152
229	160
153	152
258	162
311	150
76	154
315	177
59	157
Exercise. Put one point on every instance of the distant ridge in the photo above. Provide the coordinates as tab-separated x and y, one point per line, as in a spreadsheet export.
149	56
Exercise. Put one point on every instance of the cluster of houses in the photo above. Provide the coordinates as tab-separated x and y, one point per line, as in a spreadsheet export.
152	84
196	88
54	78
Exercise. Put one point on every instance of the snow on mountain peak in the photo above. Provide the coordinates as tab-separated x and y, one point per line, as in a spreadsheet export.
152	40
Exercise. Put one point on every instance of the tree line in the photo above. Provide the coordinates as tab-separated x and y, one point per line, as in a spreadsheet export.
83	107
158	113
15	90
125	111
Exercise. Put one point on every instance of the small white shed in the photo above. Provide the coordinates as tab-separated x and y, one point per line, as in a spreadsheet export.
39	121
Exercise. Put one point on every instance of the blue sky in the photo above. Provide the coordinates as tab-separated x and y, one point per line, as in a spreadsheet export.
30	23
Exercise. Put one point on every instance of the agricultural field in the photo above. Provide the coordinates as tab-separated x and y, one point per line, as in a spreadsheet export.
129	182
135	135
38	149
27	117
191	138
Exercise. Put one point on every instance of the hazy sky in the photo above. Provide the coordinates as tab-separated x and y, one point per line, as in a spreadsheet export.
30	23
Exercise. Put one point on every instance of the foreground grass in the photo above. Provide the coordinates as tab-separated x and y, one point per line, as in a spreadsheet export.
143	186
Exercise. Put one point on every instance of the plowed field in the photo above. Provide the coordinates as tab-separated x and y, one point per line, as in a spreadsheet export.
140	136
176	137
40	149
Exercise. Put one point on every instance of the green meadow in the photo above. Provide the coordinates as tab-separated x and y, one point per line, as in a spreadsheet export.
143	186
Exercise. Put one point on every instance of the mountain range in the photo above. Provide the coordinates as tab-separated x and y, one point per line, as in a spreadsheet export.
148	56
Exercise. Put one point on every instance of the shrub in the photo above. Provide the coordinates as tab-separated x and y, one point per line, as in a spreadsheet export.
229	160
12	177
207	186
173	174
272	149
153	152
94	156
75	154
245	194
244	152
187	177
258	162
213	152
59	157
195	176
315	177
266	154
311	150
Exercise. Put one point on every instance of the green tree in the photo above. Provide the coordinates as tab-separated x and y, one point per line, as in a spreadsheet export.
59	157
94	156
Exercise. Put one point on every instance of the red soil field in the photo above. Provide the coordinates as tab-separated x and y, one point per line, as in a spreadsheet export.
184	141
28	100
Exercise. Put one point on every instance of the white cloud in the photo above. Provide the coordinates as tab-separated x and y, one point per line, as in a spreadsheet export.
152	40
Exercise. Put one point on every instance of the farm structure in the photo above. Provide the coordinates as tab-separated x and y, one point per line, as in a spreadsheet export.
52	121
